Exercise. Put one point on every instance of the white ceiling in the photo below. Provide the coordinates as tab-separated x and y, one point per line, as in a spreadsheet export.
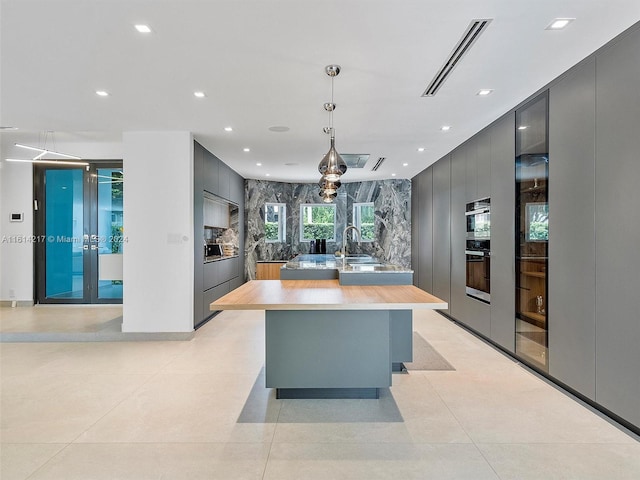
261	64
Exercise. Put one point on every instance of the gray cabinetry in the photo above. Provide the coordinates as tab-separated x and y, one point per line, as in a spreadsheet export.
571	230
236	188
224	177
210	172
425	230
617	227
483	165
503	232
441	229
416	218
459	193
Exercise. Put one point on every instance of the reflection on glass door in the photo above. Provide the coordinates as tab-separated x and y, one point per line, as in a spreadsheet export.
79	219
64	228
532	231
110	232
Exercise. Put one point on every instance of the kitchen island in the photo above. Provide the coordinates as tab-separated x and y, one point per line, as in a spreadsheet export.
326	340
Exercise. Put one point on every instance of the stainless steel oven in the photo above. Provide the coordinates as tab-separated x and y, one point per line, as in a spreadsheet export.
478	215
478	256
478	249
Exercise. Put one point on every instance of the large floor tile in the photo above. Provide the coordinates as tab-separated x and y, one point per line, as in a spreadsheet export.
58	408
19	460
183	408
564	462
157	461
369	461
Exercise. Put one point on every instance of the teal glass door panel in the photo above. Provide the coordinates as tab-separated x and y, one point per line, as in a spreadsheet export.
110	235
64	228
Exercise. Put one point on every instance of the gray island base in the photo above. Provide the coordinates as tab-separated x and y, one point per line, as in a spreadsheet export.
326	340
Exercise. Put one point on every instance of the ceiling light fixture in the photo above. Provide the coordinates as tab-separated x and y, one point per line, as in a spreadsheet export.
143	28
228	129
102	93
246	149
484	92
421	149
559	23
199	94
44	151
405	164
445	128
258	164
332	166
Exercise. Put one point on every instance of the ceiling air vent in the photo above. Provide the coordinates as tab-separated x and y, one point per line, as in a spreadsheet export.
378	163
355	160
471	34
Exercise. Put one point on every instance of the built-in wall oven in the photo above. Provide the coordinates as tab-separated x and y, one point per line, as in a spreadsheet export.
478	250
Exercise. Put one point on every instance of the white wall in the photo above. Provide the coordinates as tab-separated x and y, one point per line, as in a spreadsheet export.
158	225
16	247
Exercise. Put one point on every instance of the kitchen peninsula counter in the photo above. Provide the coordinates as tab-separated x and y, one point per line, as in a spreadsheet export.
326	340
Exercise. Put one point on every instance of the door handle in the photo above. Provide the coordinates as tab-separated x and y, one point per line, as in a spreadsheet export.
85	247
94	247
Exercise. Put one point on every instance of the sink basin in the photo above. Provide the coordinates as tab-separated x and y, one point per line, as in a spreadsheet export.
366	267
359	258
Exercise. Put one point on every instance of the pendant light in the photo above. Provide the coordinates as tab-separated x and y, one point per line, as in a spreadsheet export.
332	166
44	151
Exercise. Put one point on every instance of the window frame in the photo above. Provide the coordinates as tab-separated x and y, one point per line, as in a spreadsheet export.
357	221
282	222
323	205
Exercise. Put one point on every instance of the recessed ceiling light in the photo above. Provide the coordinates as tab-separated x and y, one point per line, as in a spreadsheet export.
421	149
246	149
228	129
445	128
559	23
393	174
199	94
522	127
268	175
484	92
258	164
143	28
405	164
279	128
102	93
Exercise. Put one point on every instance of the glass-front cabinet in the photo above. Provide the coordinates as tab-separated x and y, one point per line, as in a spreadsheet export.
532	231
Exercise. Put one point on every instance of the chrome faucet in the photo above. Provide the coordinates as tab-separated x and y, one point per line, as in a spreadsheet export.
344	239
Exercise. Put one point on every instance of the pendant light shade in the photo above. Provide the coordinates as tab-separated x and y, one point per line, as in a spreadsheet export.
332	166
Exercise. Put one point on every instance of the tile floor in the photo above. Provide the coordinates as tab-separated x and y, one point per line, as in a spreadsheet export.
198	410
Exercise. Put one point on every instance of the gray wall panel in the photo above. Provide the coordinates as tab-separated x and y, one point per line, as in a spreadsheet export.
459	193
426	230
618	227
198	226
483	159
468	151
416	218
503	232
571	230
441	229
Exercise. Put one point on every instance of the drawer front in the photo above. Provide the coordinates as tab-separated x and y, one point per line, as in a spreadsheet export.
212	295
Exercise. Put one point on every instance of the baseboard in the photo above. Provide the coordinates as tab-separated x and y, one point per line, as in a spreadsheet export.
16	303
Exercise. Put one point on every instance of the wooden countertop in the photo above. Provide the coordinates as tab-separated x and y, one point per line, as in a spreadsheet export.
325	295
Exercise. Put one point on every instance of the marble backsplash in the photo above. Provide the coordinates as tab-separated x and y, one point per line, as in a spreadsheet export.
392	204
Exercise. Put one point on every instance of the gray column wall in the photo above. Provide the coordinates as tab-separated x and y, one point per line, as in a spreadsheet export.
441	229
618	227
594	205
571	296
502	191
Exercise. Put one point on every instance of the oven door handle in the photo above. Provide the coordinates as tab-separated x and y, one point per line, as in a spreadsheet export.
477	253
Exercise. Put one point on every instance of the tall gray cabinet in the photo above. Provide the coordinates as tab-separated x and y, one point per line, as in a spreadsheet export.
594	225
617	227
215	279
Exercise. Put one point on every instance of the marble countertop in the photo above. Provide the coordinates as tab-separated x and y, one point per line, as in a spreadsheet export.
217	258
355	264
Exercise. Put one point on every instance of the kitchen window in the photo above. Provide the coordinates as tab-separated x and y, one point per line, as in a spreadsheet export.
275	222
317	221
364	220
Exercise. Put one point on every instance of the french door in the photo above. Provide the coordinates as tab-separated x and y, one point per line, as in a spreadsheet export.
78	225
